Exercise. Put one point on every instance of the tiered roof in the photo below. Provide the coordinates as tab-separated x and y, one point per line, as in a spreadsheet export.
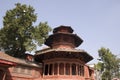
64	31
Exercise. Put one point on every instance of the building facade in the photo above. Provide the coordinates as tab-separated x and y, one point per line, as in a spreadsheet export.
60	61
16	69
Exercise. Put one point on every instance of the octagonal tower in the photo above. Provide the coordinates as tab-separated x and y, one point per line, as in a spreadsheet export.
61	60
63	38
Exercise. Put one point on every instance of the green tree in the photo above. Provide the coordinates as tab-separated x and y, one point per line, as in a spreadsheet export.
19	34
108	65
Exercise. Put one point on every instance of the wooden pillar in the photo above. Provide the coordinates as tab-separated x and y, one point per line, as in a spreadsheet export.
58	69
76	69
70	69
64	69
43	70
80	70
48	69
53	69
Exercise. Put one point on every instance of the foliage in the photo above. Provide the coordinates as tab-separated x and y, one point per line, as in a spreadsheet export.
18	34
108	65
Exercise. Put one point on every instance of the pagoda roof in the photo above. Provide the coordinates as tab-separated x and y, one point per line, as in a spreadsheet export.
83	53
49	40
61	27
58	49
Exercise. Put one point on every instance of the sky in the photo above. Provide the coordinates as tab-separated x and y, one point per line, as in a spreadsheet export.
97	22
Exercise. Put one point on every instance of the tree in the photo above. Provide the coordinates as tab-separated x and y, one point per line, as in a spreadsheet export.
18	34
109	65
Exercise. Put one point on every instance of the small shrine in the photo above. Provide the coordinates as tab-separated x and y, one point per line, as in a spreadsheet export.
62	60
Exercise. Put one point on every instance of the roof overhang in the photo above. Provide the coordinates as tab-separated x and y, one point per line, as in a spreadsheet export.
77	39
76	53
6	63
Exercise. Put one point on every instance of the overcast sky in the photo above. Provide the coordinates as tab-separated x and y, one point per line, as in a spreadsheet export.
97	22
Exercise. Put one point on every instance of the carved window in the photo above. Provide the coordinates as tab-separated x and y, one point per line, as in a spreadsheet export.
17	69
28	71
82	70
61	69
73	69
55	68
46	69
67	69
50	69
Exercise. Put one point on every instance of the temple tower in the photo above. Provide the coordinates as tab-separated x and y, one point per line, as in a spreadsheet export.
63	38
61	60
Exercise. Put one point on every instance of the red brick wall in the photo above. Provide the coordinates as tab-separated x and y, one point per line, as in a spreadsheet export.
23	73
